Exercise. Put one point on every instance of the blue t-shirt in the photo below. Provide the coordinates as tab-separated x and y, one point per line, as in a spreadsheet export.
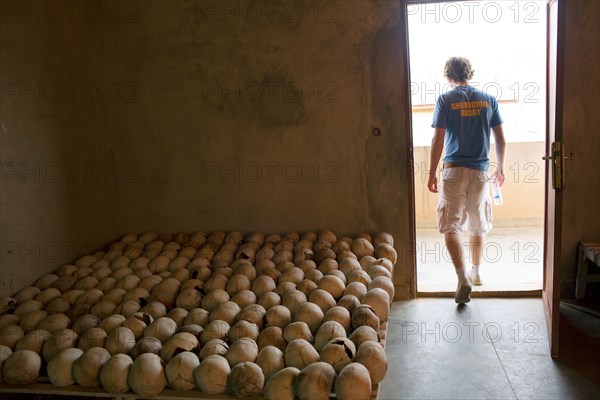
467	114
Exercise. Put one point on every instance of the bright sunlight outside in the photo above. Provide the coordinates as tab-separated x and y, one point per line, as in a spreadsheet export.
506	43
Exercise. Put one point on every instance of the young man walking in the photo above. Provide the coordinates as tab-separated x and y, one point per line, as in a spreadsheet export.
463	119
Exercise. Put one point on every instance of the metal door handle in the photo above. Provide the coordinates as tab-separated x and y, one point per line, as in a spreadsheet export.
557	168
569	157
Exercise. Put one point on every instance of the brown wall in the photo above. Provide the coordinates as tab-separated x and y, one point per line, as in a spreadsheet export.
581	135
223	115
55	194
175	137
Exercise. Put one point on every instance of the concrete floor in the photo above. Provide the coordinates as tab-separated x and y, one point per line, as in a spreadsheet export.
489	349
512	261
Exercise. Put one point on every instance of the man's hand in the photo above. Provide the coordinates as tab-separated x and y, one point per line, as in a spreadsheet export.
432	183
498	133
437	146
498	177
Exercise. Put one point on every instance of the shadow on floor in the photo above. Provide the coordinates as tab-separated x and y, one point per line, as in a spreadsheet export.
489	349
579	343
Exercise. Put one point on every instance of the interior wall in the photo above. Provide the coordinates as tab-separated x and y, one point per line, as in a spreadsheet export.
186	115
581	135
222	115
55	202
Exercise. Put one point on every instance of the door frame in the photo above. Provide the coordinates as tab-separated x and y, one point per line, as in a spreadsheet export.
552	226
410	160
555	41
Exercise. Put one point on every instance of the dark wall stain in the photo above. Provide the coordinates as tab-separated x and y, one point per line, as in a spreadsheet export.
281	103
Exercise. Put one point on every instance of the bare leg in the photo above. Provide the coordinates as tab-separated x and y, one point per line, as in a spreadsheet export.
454	246
476	247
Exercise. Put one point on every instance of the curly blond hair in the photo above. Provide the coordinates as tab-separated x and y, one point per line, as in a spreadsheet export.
459	69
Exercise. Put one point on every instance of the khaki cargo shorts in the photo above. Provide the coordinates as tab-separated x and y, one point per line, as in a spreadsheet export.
464	199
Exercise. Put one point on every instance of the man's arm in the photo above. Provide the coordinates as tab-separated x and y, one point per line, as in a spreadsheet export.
437	145
500	152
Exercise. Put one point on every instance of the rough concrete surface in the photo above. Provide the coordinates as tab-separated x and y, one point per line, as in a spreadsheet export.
187	115
212	115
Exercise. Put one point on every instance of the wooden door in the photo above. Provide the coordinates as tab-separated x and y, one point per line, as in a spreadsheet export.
553	198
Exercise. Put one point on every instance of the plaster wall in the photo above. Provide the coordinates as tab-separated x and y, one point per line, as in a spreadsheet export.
216	115
187	115
56	176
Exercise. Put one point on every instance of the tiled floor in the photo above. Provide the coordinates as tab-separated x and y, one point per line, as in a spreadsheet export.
489	349
512	261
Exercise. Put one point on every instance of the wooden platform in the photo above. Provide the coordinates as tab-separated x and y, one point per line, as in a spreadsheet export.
44	387
589	254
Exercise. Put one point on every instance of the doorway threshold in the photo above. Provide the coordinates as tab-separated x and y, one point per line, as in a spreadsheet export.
487	294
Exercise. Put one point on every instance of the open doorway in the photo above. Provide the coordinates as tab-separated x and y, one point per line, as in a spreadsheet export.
506	43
